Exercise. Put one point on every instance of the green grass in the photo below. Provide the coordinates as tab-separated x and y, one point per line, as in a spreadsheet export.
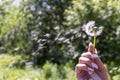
11	69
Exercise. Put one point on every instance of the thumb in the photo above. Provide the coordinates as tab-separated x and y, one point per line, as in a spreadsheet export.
91	48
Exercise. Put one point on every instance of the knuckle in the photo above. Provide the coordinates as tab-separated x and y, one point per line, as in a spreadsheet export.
83	54
83	60
80	66
87	54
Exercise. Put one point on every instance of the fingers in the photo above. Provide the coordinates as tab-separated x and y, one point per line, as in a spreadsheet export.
87	54
79	69
91	57
84	60
88	62
82	68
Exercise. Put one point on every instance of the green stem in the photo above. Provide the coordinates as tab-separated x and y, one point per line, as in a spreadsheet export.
94	43
94	40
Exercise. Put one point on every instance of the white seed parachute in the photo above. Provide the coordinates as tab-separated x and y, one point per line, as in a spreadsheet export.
91	29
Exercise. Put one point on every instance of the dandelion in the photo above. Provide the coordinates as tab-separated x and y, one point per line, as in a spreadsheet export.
92	30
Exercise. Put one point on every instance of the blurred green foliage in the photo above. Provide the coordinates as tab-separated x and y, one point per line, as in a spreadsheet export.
49	71
50	30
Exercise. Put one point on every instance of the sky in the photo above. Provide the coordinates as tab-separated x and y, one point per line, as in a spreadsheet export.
16	2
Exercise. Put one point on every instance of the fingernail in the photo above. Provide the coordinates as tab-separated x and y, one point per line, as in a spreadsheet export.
94	56
90	70
94	65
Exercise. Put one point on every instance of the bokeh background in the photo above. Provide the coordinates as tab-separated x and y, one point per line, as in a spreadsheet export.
43	39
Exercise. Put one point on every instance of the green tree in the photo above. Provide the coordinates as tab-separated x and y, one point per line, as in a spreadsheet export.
12	23
45	26
41	32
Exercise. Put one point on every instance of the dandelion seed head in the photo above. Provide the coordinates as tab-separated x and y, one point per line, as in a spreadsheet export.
91	29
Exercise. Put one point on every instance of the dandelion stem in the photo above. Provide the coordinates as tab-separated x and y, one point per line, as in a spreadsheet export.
94	40
94	43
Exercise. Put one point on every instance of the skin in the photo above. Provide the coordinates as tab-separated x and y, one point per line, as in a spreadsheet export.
86	71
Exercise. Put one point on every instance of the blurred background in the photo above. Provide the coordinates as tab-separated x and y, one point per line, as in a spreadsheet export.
43	39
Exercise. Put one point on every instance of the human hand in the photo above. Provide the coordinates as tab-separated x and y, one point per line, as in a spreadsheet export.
90	67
